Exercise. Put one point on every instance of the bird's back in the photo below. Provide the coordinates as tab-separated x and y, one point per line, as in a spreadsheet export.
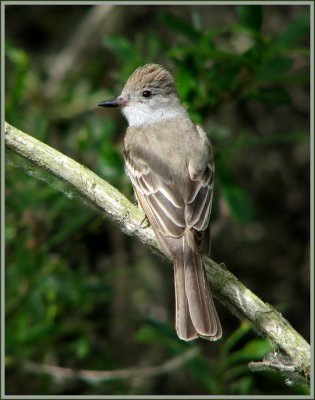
169	147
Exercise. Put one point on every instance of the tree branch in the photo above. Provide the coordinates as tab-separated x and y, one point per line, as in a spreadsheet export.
291	356
82	36
94	376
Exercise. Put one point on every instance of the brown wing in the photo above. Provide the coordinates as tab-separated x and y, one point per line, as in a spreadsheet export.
198	202
169	209
157	195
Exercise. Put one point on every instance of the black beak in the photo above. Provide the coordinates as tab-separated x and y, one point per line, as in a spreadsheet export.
118	102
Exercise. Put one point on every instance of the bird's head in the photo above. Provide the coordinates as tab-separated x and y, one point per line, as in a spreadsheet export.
149	96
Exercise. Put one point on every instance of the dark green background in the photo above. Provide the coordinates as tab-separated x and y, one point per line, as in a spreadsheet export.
81	294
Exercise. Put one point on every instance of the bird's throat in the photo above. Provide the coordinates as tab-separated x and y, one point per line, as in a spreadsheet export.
141	114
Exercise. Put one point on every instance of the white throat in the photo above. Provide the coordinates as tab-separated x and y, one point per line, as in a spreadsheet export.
142	114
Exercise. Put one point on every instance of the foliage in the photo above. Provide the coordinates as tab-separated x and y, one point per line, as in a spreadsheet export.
209	73
77	292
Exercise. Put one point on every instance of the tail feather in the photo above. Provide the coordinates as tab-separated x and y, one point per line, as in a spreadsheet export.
184	325
195	311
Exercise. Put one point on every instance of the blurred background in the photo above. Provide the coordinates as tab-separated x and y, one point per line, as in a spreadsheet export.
82	295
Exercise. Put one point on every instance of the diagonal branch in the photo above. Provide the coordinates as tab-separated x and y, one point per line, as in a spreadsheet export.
94	376
291	357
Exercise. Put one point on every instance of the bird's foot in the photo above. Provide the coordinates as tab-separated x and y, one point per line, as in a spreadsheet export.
145	223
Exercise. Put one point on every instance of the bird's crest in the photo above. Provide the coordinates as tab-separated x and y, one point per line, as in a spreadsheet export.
150	76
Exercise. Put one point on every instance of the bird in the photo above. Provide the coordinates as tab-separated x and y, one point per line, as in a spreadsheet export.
169	161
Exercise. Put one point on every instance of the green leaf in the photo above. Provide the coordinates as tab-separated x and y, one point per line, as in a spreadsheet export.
271	95
235	337
200	369
250	16
296	31
20	63
145	335
186	82
180	26
256	349
154	46
239	203
122	47
275	68
240	206
73	226
244	385
17	56
82	346
158	332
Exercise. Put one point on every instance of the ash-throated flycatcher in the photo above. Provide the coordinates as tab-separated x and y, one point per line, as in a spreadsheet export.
170	164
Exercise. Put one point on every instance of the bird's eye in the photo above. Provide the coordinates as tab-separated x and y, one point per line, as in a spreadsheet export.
146	93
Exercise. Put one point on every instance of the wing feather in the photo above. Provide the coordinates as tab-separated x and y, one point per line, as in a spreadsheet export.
177	201
159	198
169	208
198	199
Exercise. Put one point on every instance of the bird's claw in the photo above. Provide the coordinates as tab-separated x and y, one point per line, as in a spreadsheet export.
145	223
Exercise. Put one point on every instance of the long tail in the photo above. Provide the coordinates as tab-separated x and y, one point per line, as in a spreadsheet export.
195	311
